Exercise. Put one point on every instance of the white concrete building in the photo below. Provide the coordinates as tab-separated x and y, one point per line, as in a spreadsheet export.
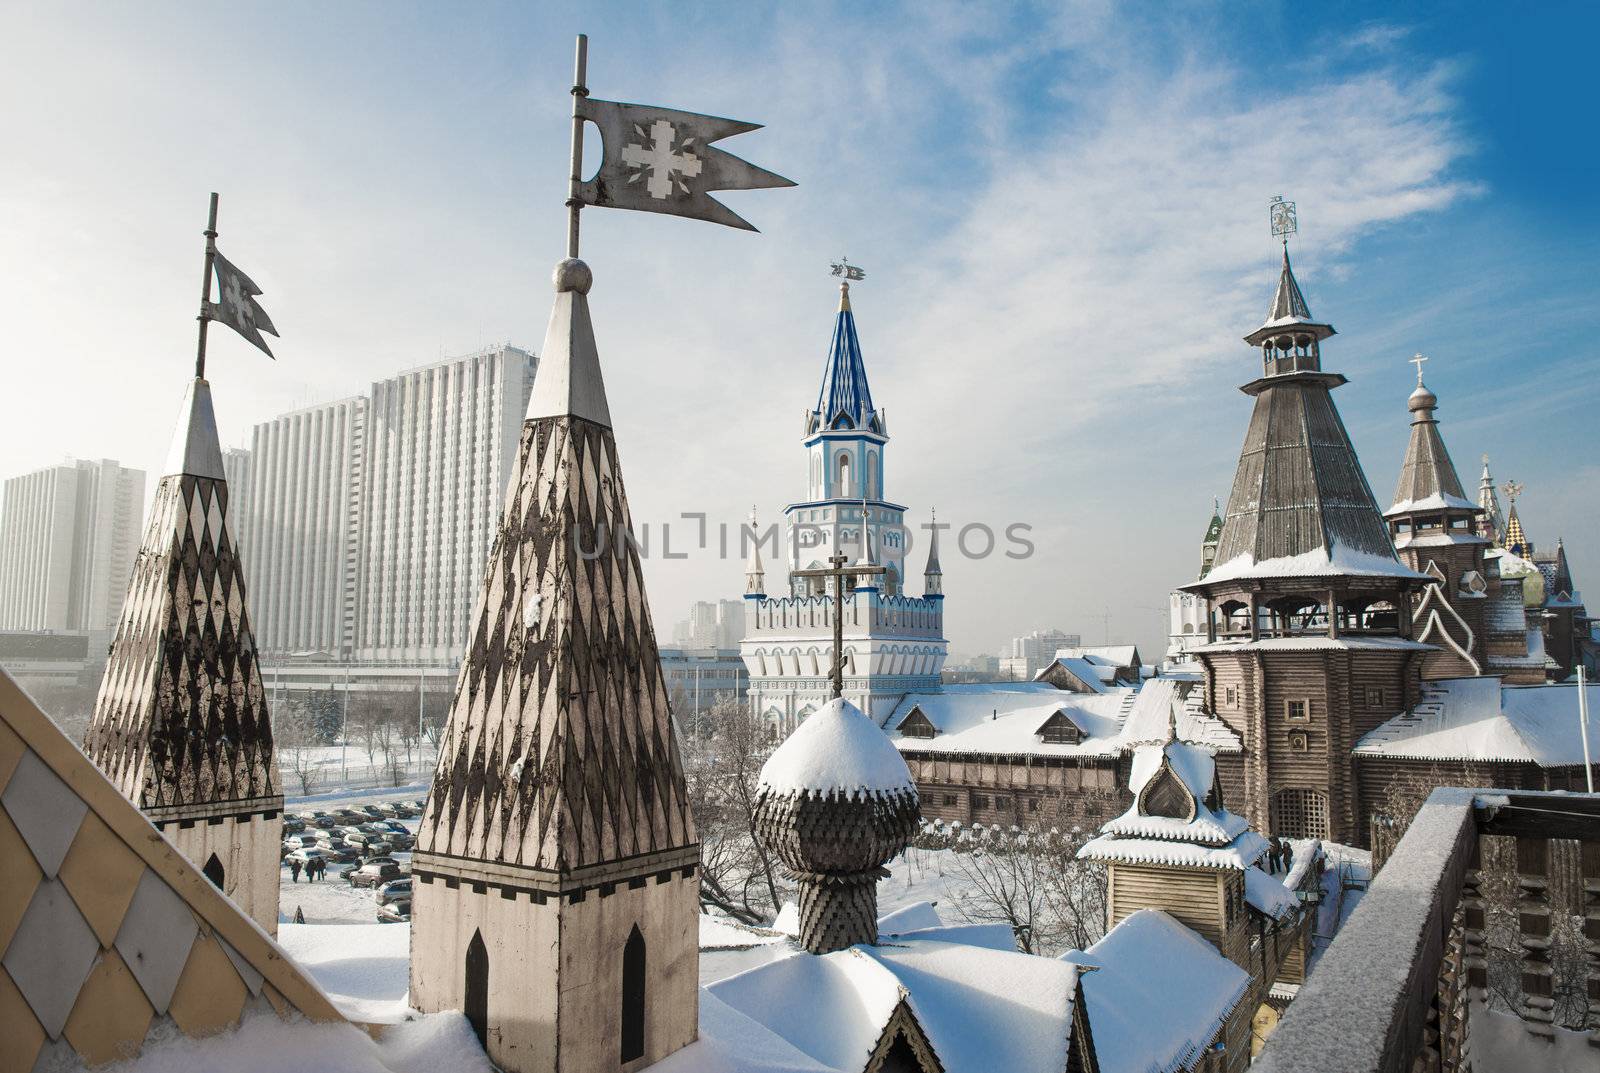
370	518
893	642
301	525
1186	611
68	538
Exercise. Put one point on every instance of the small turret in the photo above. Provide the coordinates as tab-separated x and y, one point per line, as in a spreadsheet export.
932	575
836	803
1208	547
755	575
1492	523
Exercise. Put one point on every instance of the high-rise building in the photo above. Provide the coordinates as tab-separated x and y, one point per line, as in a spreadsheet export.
1027	655
370	518
68	538
302	526
238	463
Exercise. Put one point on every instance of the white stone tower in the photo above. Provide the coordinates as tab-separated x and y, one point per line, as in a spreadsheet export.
556	873
181	724
893	642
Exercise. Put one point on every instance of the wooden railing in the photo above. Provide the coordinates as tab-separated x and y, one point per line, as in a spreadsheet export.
1393	991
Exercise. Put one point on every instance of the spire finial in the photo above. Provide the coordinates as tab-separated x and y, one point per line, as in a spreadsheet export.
846	272
1417	360
1172	720
1512	489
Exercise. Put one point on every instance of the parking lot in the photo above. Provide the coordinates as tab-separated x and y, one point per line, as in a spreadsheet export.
333	900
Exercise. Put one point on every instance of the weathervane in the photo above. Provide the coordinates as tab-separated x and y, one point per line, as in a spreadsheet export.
1417	360
1284	221
1512	490
843	267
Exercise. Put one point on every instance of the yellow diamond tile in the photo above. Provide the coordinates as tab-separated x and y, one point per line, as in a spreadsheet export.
111	1016
210	995
19	876
11	748
101	873
23	1034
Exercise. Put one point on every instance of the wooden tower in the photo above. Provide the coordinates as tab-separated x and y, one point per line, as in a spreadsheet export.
1308	609
181	725
1436	532
556	896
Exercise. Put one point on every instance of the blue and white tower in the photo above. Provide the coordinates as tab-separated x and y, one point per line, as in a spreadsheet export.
894	642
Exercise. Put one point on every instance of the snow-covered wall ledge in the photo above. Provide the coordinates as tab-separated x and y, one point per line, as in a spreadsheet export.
1364	1008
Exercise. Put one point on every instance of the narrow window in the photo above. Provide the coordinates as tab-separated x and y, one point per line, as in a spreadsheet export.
633	996
213	871
476	997
1374	698
1232	696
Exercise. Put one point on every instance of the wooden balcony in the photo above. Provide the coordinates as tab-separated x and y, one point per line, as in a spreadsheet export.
1476	947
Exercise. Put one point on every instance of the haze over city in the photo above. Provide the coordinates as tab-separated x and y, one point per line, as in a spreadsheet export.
1062	216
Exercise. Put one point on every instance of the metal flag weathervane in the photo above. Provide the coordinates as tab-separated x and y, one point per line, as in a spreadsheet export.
851	273
1284	221
655	159
237	306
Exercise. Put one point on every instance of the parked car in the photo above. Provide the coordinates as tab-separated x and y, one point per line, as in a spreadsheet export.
400	840
308	854
294	824
301	841
372	875
394	888
395	912
380	847
354	837
389	808
342	852
417	806
371	810
402	810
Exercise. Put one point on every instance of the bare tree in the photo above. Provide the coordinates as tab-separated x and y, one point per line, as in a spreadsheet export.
722	765
294	735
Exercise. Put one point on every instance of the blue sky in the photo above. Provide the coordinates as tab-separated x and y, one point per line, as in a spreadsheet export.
1062	211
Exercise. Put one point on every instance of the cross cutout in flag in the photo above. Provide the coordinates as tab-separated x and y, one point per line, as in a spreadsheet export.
237	307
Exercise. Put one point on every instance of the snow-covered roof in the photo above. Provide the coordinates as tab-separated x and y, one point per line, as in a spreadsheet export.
1483	719
1436	501
1195	768
1157	994
1345	561
1242	852
1004	719
1268	895
1437	538
1315	644
1096	677
980	1008
837	749
1103	655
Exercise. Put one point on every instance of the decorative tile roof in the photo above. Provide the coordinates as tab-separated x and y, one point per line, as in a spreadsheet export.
845	400
181	719
108	934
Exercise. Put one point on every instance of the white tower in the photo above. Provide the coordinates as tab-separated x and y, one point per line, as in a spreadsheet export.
894	643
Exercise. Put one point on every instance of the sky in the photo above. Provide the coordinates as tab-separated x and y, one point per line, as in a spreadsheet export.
1062	211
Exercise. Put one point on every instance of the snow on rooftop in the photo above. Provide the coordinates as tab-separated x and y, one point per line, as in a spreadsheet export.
1483	719
264	1044
1004	719
1316	644
837	748
1158	994
1267	894
981	1008
364	968
1240	853
1436	501
1344	562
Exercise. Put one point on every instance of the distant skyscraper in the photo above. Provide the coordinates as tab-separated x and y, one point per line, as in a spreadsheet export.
68	537
370	518
237	462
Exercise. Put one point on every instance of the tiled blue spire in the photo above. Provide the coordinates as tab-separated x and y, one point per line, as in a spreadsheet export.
845	400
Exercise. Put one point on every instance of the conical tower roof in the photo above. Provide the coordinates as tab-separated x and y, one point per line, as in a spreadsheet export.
1288	309
559	754
1493	523
181	720
1516	541
845	400
933	569
1300	504
1428	479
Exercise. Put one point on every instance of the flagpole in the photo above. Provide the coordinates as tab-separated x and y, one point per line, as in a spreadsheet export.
205	290
580	90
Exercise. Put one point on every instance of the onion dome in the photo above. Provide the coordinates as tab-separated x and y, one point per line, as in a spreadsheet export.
1422	399
835	803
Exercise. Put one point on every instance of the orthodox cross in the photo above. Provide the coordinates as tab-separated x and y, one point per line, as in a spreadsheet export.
838	573
844	268
1284	221
1417	361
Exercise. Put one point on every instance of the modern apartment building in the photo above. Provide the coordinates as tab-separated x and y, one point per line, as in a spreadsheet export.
369	519
68	537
